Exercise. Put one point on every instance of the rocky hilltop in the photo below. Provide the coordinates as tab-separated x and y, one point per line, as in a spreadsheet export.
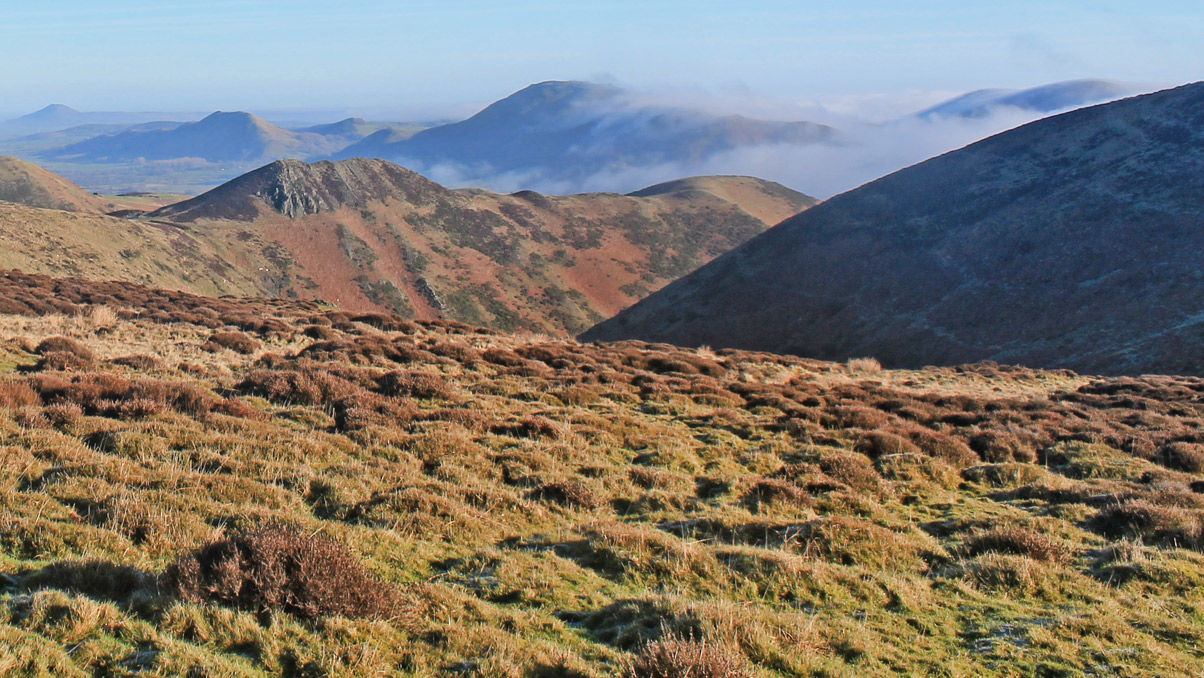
1075	241
295	188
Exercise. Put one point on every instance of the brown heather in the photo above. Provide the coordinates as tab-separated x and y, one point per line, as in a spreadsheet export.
278	567
362	494
676	657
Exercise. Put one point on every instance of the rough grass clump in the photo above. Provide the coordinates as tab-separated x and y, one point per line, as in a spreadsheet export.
1184	457
18	394
1150	522
1018	541
567	493
278	567
414	385
64	345
769	491
238	342
675	656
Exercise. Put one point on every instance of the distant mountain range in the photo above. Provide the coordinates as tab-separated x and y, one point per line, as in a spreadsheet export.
59	117
219	137
1075	241
551	136
571	130
1059	96
370	235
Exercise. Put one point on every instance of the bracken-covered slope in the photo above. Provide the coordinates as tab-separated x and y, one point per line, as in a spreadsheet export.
526	506
370	235
26	183
1075	241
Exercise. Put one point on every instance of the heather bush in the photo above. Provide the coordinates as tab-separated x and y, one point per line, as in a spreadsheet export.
567	493
238	342
64	345
1184	456
1150	522
675	656
278	567
414	384
1016	541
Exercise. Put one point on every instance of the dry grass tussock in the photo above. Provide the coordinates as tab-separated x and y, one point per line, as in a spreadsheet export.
233	487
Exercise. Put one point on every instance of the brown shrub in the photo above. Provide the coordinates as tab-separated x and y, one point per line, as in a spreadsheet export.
320	332
999	446
278	567
674	656
533	426
387	323
59	361
297	387
853	470
238	342
1184	457
650	478
880	443
473	420
107	394
856	416
18	394
943	446
414	385
1150	522
568	493
140	362
769	491
1017	541
64	345
504	357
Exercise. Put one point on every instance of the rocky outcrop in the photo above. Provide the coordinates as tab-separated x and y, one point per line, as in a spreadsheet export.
295	189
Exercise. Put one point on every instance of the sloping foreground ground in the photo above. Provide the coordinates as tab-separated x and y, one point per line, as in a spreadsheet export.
546	507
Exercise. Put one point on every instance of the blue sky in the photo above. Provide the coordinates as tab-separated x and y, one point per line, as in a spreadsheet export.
450	56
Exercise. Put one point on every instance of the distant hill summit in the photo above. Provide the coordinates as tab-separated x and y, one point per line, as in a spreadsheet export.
54	114
1051	98
26	183
219	137
571	130
1075	241
295	188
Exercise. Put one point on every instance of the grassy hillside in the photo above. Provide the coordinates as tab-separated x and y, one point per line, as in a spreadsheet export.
164	255
25	183
533	507
372	236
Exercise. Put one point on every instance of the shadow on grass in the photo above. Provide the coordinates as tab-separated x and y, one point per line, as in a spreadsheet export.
97	579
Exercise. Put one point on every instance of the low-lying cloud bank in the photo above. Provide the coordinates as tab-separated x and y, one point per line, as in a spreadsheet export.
859	153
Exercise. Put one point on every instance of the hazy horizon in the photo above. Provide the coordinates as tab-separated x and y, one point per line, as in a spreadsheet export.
443	60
